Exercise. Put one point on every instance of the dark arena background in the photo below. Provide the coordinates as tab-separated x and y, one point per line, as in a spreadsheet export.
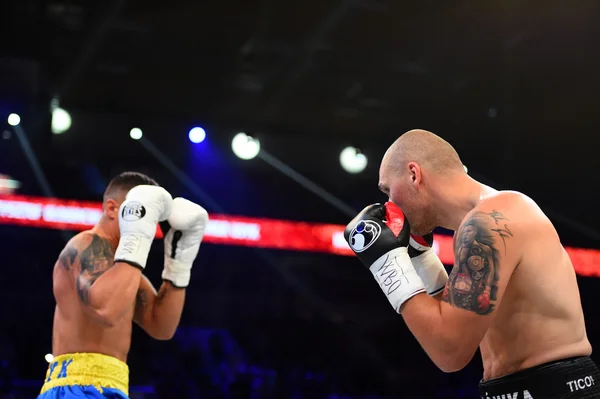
293	105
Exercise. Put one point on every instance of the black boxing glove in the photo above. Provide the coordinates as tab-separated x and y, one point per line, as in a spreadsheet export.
379	236
427	264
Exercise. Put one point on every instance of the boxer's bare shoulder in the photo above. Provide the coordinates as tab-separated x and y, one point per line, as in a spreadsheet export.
487	250
529	262
86	257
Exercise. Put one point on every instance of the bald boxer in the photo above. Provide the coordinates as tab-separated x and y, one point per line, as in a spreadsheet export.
512	291
100	289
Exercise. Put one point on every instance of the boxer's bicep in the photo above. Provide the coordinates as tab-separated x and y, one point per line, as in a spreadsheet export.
483	263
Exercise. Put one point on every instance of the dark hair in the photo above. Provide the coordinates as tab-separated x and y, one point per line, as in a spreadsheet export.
126	181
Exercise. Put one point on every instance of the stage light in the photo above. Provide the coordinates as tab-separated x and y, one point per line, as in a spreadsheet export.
197	135
49	357
136	133
352	160
466	169
244	146
14	119
61	121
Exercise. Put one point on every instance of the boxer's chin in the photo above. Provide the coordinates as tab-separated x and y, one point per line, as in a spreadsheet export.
421	229
415	230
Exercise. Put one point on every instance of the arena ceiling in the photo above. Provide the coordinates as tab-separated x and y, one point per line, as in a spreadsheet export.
513	85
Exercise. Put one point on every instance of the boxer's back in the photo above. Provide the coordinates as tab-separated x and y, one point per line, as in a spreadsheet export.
540	318
76	328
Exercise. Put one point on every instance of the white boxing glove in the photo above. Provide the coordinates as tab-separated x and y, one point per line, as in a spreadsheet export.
427	264
188	222
139	214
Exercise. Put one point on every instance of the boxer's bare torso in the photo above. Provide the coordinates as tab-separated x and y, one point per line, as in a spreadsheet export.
77	328
539	318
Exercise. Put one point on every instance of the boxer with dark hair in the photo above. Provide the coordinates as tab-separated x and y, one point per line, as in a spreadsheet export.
100	289
512	292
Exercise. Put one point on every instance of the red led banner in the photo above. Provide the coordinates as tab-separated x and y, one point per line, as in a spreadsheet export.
234	230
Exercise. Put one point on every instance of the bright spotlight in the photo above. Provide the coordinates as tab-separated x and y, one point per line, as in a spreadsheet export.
14	119
197	135
61	121
136	133
49	357
352	160
244	146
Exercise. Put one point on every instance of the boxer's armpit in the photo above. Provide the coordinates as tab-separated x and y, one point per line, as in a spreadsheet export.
473	282
95	259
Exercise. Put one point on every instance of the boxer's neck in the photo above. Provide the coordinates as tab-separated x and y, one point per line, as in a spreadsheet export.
108	229
455	198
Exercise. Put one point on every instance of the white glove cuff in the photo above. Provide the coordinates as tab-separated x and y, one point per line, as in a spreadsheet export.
133	249
432	271
178	273
397	277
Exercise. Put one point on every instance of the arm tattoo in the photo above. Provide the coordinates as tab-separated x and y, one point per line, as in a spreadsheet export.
67	257
96	259
473	282
503	232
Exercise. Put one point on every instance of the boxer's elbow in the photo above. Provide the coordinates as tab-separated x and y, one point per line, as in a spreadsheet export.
107	317
452	364
157	330
453	355
162	334
108	314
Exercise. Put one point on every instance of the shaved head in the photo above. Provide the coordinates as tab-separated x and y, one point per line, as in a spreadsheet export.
410	171
425	148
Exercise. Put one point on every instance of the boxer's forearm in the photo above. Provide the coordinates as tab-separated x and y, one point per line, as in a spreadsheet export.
167	309
158	313
450	345
110	296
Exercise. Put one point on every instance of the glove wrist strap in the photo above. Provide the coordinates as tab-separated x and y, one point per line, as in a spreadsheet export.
397	277
133	249
432	271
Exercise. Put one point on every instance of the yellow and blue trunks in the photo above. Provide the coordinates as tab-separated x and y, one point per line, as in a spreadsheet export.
86	375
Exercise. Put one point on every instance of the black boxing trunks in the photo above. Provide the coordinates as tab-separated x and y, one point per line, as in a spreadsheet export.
574	378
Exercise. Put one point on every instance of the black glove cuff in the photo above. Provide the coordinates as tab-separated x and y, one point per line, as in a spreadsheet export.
130	263
175	286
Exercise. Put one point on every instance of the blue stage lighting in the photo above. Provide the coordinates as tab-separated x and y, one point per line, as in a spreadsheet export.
197	135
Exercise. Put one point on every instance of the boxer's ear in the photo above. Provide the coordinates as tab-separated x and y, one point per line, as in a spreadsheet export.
111	208
414	173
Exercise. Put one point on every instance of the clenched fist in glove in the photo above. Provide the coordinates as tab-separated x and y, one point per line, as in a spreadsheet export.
139	214
380	236
427	264
188	222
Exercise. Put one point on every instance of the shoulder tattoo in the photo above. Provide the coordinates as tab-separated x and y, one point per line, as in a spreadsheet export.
473	282
67	257
96	259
